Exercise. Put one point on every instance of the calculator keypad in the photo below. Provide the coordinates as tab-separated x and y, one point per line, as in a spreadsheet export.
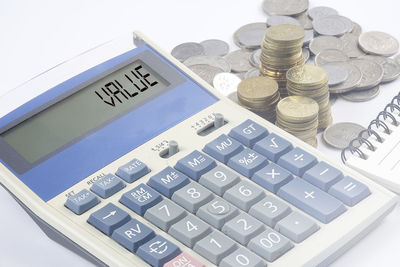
107	186
108	218
132	170
81	202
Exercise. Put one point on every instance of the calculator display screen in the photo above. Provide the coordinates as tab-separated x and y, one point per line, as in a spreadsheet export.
113	95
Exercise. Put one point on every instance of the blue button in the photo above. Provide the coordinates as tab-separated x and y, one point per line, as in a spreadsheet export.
195	165
248	133
168	181
272	177
82	201
323	175
158	251
132	235
223	148
141	198
132	171
349	191
108	218
272	146
312	200
297	161
247	162
107	186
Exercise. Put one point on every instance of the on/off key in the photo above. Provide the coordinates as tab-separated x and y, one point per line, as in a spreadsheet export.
184	260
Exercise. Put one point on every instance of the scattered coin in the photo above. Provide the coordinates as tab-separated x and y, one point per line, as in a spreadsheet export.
304	20
372	73
334	25
340	135
250	36
332	99
309	35
214	47
239	60
330	55
336	74
352	81
186	50
391	70
206	72
285	7
321	12
254	72
227	83
321	43
351	47
357	30
378	43
361	96
214	61
306	54
255	58
277	20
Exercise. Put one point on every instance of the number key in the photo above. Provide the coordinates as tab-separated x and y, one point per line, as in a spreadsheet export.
219	180
164	214
217	212
192	196
189	230
270	210
244	194
242	228
215	247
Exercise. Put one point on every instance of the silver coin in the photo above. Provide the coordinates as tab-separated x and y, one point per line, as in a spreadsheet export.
340	135
215	61
278	20
321	12
361	96
332	99
255	58
357	30
227	83
306	54
336	74
352	81
206	72
304	20
215	47
253	72
391	70
330	55
309	35
351	47
239	60
186	50
397	59
378	43
250	36
334	25
285	7
321	43
372	73
241	75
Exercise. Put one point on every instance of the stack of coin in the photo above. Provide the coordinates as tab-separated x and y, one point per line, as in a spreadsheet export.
259	95
298	115
311	81
281	50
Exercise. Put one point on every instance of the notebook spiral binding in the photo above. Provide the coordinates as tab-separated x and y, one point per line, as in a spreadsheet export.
379	122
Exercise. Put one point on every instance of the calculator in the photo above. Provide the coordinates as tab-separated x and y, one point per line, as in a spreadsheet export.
128	158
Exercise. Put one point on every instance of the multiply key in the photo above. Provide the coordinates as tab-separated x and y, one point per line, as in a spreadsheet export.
195	165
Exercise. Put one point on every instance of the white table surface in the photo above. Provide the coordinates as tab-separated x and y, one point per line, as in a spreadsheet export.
36	35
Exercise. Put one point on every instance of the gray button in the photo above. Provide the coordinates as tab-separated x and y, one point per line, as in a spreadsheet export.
242	228
189	230
296	226
164	214
270	210
192	196
242	257
244	194
217	212
81	201
219	180
215	246
270	245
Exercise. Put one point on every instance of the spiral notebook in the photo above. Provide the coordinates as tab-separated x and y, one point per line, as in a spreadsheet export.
376	151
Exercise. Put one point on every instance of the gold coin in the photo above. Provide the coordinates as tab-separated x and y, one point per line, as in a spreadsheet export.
298	108
285	33
307	75
257	88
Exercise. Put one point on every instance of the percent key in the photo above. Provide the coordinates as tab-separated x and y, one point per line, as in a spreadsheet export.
247	162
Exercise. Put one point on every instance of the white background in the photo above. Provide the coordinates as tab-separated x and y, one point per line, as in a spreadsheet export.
36	35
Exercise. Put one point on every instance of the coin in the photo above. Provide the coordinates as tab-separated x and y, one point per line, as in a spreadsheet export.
227	83
332	99
239	60
254	72
397	59
285	7
306	54
351	47
250	35
277	20
307	75
298	108
333	25
321	43
304	20
353	79
336	74
186	50
206	72
321	12
357	30
361	96
391	70
255	58
378	43
214	47
330	55
340	135
372	73
214	61
309	35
